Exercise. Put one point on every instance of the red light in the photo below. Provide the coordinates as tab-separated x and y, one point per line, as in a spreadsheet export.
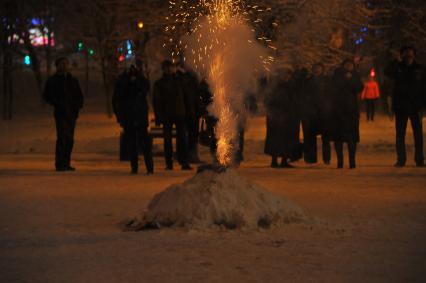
372	73
121	58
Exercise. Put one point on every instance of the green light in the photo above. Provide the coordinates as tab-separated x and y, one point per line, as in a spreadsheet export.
80	46
27	60
91	52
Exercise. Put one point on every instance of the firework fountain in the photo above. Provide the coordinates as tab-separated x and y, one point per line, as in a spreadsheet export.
222	48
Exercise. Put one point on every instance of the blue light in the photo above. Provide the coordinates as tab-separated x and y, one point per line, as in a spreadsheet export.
27	60
129	47
129	44
359	41
35	22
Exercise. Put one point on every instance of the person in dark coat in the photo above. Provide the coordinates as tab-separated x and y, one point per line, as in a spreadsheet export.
408	99
169	108
191	90
210	121
250	109
131	109
344	123
314	110
282	122
63	92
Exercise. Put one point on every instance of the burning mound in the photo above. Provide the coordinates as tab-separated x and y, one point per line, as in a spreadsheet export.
217	196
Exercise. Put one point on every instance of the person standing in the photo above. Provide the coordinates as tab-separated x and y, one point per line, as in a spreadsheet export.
207	136
131	109
408	100
169	108
282	122
191	90
250	109
344	128
369	95
314	111
63	92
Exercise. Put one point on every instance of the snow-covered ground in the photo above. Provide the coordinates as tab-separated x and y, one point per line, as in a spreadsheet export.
67	227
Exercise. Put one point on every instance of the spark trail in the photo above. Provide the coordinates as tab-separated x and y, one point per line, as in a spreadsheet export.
221	46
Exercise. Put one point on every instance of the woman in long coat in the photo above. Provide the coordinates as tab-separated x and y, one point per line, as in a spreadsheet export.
282	123
314	110
344	123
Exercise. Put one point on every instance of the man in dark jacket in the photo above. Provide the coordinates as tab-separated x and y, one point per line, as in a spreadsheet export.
131	109
169	108
408	100
191	90
344	123
314	111
63	92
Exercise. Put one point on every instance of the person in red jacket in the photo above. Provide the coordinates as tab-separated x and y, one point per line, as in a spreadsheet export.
370	94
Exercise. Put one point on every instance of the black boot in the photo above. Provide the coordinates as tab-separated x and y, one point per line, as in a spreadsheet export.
339	153
285	164
399	164
186	166
352	152
70	168
274	163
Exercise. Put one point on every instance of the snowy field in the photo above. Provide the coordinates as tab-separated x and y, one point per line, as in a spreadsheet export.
66	227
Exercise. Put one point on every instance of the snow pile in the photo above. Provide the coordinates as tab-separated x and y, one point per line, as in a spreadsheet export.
218	198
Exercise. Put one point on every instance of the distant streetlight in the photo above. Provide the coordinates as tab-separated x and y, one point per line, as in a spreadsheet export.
140	25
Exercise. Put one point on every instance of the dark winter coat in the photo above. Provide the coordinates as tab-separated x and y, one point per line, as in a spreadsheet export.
343	125
315	102
130	99
409	86
190	88
282	121
169	99
63	92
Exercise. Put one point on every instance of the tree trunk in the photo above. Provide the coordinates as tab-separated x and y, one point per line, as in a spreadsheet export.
106	82
7	85
35	65
86	57
49	53
11	96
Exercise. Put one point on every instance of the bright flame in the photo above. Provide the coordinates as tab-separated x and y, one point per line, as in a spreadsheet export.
226	133
222	13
